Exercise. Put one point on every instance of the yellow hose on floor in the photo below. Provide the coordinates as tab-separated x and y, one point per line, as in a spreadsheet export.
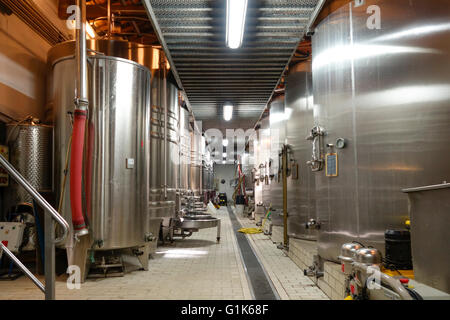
255	230
250	230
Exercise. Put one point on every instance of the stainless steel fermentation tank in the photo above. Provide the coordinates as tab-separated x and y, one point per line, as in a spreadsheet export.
164	153
30	152
185	152
277	120
116	155
206	188
301	180
257	157
247	168
196	162
382	98
207	174
264	159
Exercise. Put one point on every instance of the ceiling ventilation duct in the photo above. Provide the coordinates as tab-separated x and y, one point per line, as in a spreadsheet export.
30	14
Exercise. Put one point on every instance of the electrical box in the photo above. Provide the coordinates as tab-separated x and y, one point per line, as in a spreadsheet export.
130	163
11	235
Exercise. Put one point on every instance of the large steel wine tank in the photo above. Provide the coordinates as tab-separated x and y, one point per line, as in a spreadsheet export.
185	151
116	146
301	180
164	151
386	91
277	136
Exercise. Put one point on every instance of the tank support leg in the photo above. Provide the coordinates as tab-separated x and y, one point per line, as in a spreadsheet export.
143	258
218	230
79	256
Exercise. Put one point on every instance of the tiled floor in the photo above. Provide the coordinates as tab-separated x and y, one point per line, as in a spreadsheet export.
194	268
286	276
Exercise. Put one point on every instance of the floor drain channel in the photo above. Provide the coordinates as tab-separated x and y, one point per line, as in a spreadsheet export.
262	288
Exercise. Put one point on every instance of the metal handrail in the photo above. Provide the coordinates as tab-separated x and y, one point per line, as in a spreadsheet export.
37	197
22	267
49	288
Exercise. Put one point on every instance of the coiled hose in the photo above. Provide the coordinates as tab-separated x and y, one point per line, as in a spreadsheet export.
256	230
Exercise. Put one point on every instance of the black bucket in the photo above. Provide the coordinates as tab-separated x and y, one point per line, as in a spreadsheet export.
398	249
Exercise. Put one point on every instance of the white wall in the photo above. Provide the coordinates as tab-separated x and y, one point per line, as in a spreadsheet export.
23	64
226	172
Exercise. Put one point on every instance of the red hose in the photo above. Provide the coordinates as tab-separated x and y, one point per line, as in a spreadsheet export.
76	170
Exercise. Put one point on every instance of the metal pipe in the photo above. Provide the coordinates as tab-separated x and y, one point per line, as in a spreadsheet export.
36	196
164	70
109	18
81	99
22	267
387	280
285	205
78	133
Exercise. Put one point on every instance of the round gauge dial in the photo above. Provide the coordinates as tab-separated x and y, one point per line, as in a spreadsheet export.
341	143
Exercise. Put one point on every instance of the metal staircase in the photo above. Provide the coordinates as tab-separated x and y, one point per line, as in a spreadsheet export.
51	214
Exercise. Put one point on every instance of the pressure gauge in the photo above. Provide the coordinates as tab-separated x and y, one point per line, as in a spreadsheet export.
341	143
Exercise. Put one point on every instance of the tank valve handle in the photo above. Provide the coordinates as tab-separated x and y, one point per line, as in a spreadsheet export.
312	224
149	237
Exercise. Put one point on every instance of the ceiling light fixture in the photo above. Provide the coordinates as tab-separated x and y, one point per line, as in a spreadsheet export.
236	12
225	142
227	111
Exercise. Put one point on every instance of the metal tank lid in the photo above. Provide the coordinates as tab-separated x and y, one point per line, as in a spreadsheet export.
348	251
145	55
368	256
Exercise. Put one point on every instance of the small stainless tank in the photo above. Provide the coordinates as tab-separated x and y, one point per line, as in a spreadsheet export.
30	149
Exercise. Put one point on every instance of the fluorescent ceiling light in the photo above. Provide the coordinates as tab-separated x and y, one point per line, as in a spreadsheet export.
225	142
236	11
228	112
